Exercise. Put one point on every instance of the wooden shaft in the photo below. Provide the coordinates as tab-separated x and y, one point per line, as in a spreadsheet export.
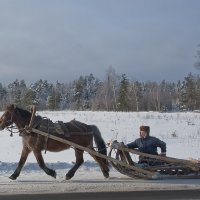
147	173
32	117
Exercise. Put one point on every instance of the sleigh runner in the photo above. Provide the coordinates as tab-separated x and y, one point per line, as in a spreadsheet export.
119	156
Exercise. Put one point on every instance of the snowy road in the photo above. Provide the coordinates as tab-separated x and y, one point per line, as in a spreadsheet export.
87	181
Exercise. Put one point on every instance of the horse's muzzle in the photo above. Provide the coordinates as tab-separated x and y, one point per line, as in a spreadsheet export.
1	127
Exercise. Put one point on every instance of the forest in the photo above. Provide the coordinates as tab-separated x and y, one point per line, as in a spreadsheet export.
115	93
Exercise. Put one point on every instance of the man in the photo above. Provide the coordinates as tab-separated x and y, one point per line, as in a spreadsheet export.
148	144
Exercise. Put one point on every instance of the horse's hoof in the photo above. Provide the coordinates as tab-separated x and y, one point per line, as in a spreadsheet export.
106	174
68	177
54	174
12	177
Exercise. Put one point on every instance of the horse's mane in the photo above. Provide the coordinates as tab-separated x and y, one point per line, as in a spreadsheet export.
24	113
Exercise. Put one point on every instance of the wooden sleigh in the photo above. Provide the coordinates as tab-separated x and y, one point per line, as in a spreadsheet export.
164	167
120	158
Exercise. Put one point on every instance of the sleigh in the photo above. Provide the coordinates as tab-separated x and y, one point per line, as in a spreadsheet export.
153	166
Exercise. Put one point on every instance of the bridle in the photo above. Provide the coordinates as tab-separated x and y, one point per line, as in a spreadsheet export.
11	122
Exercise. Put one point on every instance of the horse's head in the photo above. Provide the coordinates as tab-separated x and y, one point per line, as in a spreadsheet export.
14	114
8	116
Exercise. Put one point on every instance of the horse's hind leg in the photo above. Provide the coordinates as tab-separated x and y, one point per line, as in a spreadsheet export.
79	162
103	165
40	160
23	158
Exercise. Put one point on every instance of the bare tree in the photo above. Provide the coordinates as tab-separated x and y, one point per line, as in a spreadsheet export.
109	90
136	90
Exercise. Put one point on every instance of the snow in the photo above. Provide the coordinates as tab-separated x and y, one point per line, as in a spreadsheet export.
181	132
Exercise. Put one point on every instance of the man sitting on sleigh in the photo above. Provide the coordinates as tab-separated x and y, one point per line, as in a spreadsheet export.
148	144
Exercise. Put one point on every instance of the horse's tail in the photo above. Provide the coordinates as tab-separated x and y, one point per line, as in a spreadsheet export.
101	146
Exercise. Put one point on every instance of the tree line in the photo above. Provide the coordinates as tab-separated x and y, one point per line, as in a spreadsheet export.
115	93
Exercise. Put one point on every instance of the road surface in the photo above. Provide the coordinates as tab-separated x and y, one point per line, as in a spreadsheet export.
145	195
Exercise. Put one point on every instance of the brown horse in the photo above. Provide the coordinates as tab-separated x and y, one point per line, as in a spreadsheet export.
36	143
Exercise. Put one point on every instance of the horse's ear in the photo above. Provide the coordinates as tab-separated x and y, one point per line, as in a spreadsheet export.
11	107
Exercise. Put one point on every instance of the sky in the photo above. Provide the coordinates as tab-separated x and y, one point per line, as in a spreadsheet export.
60	40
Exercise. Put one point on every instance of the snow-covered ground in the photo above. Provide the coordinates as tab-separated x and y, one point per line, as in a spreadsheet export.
181	132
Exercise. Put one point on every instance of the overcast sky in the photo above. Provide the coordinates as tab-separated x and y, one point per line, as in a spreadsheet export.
59	40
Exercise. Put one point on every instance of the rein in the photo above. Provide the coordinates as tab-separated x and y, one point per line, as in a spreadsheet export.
10	129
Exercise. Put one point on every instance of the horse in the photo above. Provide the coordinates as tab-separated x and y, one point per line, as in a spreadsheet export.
36	143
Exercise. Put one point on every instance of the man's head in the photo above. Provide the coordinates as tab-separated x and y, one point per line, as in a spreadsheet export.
144	131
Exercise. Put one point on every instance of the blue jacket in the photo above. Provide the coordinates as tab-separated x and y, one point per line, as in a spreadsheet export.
148	145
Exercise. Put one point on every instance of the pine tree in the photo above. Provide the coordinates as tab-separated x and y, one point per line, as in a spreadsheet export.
90	88
123	94
197	93
188	93
17	97
79	93
29	98
3	96
42	90
51	101
54	100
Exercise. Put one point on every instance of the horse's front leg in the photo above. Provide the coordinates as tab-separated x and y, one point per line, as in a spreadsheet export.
23	158
40	160
79	161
